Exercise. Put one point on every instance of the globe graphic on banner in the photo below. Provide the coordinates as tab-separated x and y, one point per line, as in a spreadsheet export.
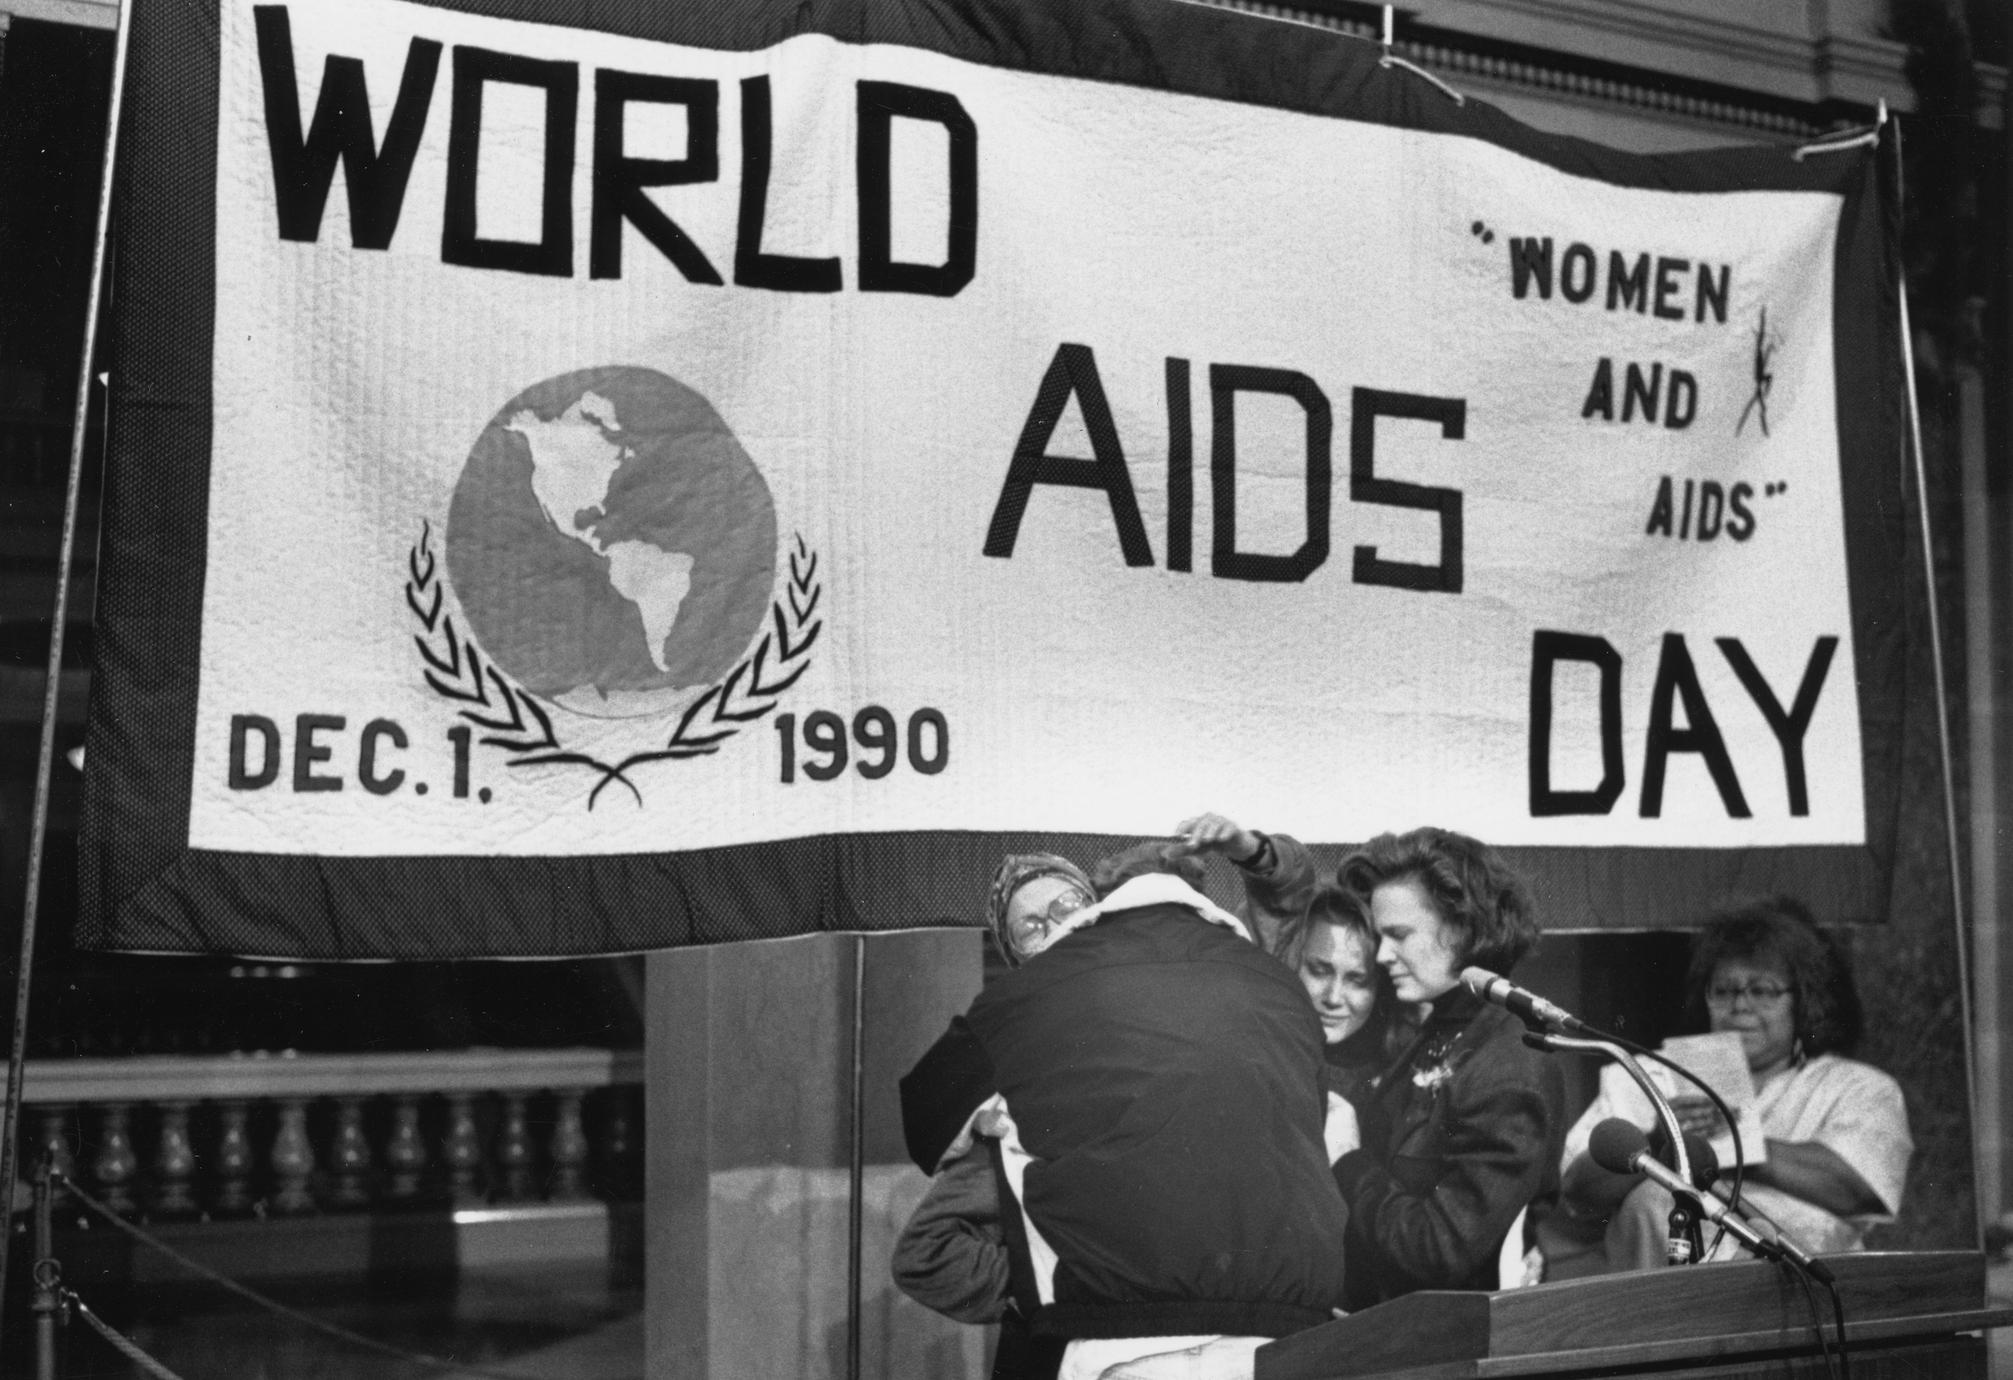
611	544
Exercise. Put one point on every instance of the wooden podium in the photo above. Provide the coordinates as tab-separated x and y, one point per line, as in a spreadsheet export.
1905	1314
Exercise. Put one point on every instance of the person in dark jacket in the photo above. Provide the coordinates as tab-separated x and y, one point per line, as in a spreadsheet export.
1462	1131
960	1254
1165	1077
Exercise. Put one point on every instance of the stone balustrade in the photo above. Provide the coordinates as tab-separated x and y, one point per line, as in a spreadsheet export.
174	1136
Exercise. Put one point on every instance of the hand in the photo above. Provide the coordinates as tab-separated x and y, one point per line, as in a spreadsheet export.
1210	833
1341	1131
1697	1116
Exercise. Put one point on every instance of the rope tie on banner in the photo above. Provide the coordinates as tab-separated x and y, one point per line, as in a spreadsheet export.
1839	143
1257	9
1391	59
271	1305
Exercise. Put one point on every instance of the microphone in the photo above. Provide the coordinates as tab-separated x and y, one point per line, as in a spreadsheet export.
1704	1160
1535	1010
1621	1148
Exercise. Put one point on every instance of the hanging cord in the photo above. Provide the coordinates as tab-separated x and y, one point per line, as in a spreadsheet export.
1838	1318
1712	1095
1839	143
274	1306
1816	1321
1732	1126
1388	60
38	817
1391	59
1958	921
116	1339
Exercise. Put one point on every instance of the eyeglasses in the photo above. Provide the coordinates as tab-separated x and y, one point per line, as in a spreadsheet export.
1757	993
1055	912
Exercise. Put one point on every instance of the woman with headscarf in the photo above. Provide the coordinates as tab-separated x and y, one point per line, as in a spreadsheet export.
953	1255
1030	898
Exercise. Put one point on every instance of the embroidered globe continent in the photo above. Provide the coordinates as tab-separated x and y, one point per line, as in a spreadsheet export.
611	543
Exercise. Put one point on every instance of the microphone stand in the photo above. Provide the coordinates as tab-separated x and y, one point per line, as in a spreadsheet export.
1686	1245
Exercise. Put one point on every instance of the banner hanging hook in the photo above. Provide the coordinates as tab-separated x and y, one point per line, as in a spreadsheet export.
1842	142
1391	59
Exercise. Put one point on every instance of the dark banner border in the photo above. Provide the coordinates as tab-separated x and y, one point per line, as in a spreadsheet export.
439	907
143	889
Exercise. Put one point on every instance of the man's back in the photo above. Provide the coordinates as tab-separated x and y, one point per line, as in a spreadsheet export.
1166	1077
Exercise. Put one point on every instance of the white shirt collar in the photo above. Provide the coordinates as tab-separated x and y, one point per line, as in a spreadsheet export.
1154	889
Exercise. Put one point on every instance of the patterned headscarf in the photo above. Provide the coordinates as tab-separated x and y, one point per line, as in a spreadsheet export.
1015	871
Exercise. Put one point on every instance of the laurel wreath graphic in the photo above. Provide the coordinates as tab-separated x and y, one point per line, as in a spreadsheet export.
514	720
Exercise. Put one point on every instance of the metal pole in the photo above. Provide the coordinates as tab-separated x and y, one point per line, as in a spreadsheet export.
857	1156
1942	709
48	1278
10	1123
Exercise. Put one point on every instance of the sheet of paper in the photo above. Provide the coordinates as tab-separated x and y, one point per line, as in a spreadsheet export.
1716	1058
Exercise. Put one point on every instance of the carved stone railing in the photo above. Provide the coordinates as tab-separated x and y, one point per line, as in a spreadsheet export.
174	1136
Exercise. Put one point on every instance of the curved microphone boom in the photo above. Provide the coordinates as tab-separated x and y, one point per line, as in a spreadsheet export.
1537	1013
1704	1160
1621	1148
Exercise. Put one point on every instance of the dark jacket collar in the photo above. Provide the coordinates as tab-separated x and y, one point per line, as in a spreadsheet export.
1454	1008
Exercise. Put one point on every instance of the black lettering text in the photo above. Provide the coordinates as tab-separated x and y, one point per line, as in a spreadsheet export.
1226	381
619	179
308	752
1548	649
1681	405
1660	510
1670	275
243	775
1577	271
880	102
1642	391
1741	525
552	253
1711	508
1601	393
1712	293
1789	727
753	265
366	762
304	169
1677	679
1628	285
1180	469
1531	259
1072	373
1365	486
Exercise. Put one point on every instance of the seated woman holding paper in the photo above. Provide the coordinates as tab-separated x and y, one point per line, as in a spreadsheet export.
1827	1140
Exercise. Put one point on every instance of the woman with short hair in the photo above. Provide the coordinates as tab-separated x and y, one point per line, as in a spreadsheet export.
1461	1131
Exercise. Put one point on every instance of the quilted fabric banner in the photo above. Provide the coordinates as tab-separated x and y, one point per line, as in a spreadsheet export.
716	475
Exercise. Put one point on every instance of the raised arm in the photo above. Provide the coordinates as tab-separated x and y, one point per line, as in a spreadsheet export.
1278	871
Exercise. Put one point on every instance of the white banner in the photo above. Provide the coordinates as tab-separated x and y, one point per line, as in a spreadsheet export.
642	452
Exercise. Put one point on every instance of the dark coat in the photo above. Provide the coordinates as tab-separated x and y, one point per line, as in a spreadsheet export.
1167	1078
1460	1134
